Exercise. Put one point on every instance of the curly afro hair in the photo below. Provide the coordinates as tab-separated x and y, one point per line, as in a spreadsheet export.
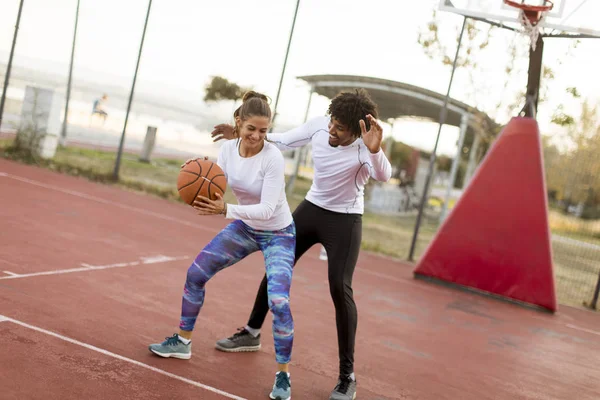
350	107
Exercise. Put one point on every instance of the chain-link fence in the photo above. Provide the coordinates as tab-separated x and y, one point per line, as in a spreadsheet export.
576	250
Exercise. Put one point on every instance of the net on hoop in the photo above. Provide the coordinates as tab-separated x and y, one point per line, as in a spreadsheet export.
530	16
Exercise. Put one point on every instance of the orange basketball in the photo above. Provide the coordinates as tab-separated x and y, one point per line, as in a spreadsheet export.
200	177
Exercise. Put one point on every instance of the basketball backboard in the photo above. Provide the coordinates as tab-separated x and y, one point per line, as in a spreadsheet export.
576	18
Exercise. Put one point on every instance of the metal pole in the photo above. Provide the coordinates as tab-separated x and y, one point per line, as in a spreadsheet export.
290	186
284	65
118	161
464	123
63	133
390	140
9	65
594	304
534	77
443	113
471	164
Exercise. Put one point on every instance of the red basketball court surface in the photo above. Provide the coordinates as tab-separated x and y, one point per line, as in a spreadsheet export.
91	274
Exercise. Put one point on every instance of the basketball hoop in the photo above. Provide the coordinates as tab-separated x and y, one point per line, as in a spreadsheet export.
530	16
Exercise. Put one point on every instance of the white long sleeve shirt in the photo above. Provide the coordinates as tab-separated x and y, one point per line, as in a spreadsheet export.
258	183
340	173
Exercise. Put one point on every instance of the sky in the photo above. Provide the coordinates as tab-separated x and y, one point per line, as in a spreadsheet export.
188	41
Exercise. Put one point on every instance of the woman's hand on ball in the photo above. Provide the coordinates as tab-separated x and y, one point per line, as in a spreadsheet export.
192	159
206	206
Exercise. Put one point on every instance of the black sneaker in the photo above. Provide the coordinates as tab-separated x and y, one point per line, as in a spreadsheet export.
344	390
242	340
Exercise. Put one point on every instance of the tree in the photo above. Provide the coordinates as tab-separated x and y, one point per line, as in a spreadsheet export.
444	163
400	157
405	158
220	88
573	166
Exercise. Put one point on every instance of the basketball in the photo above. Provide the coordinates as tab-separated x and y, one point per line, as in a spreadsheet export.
200	177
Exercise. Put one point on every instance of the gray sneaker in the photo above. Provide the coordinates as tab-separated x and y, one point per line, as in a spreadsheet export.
242	340
172	347
344	390
282	388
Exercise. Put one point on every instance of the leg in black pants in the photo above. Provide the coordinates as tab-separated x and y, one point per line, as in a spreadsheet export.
342	241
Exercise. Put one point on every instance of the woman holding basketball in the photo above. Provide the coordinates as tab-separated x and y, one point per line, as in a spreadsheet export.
262	221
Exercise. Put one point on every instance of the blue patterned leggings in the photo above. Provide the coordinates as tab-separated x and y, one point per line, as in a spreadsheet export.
236	241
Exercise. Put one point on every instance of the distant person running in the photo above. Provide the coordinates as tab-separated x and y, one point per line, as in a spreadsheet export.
346	149
262	222
100	107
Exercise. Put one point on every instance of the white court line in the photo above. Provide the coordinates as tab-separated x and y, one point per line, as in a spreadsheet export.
157	259
88	267
119	357
10	273
583	329
113	203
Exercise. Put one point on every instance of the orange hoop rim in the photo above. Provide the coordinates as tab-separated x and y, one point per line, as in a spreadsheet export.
533	13
528	7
